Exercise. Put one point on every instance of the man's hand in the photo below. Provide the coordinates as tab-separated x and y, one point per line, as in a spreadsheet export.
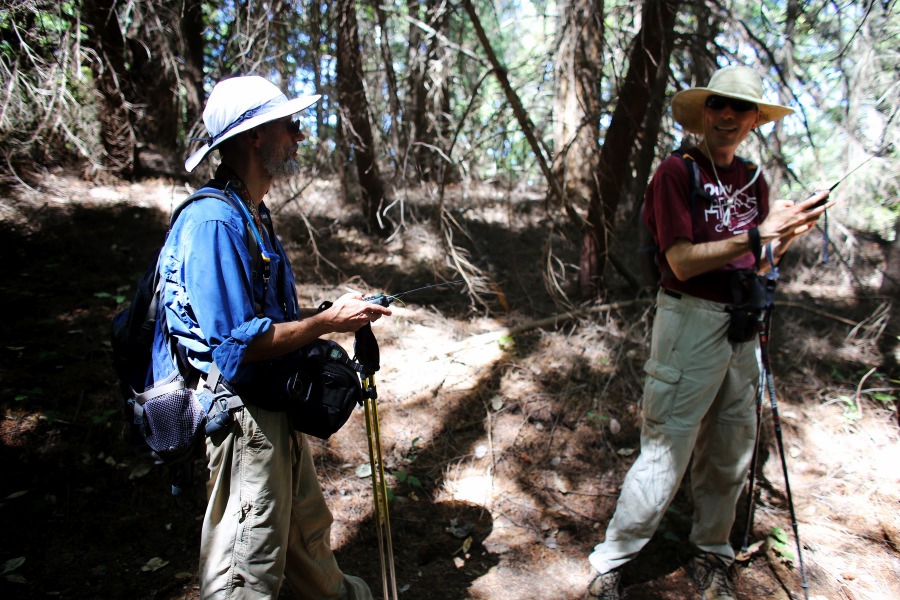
350	312
346	315
787	220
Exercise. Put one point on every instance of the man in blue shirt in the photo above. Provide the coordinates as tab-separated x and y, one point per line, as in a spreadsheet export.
266	518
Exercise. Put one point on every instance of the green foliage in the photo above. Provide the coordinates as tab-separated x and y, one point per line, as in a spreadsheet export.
597	418
105	417
119	298
403	478
778	541
33	394
47	110
10	566
408	479
851	408
441	98
885	397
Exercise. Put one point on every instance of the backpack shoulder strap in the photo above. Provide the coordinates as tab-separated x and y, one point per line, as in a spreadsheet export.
261	260
694	183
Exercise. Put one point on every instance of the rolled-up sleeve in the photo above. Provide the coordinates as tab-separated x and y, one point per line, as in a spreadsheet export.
230	353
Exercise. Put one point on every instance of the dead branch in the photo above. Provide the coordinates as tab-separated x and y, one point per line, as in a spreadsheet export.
817	311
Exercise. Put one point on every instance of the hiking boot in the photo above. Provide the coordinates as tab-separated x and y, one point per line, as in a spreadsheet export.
606	586
711	576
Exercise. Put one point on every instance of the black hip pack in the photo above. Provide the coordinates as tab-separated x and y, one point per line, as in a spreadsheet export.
318	385
748	295
323	390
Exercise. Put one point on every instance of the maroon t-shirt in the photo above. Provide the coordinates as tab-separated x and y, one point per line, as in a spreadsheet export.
667	212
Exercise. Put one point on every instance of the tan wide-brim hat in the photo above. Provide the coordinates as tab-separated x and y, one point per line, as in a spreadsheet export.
738	82
241	103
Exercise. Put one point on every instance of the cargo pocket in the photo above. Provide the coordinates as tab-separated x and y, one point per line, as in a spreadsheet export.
660	391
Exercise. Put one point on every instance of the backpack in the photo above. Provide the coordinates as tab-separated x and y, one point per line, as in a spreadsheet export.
648	249
167	415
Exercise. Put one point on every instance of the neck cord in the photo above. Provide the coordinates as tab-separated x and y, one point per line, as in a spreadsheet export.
729	198
237	185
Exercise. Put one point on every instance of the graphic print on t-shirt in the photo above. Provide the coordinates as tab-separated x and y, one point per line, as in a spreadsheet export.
735	218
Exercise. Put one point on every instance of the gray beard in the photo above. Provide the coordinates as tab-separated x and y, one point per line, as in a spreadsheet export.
280	165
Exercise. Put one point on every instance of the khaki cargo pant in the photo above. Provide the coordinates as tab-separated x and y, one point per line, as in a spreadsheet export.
266	516
699	396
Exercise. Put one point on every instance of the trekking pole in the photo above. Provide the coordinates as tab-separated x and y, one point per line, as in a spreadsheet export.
754	465
379	490
776	422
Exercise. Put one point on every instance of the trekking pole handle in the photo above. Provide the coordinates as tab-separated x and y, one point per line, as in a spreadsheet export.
380	299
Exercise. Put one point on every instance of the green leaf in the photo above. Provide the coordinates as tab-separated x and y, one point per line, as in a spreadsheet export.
598	417
12	564
779	535
104	416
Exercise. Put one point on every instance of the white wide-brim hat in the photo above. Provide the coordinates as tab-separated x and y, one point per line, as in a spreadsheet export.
241	103
742	83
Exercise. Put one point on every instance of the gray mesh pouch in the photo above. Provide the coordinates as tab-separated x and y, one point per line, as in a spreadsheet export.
172	419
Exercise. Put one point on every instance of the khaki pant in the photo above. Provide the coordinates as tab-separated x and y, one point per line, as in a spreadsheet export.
699	396
266	516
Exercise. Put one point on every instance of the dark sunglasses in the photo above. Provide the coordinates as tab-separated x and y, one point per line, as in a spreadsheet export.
720	102
293	126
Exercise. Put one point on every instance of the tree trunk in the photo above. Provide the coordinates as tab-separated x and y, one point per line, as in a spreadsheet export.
110	76
889	342
579	60
414	122
354	109
429	92
652	46
391	80
166	50
192	26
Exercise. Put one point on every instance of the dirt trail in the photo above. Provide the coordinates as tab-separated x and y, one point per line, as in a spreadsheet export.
505	454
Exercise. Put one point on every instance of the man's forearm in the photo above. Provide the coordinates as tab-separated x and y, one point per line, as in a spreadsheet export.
687	259
282	338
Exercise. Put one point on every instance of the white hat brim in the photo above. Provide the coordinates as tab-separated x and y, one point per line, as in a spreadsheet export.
282	110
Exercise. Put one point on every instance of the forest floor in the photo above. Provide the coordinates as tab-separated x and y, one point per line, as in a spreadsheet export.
506	438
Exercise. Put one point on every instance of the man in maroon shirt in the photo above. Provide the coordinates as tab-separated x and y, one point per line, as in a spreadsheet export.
700	390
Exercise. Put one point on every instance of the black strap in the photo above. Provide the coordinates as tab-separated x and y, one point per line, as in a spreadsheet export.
755	244
365	347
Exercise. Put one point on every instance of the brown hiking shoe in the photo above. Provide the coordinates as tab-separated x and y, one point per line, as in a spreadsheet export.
711	576
605	587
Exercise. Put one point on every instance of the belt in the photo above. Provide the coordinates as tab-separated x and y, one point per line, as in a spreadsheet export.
672	293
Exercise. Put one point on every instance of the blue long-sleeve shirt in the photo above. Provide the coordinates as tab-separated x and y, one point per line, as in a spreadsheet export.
208	299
